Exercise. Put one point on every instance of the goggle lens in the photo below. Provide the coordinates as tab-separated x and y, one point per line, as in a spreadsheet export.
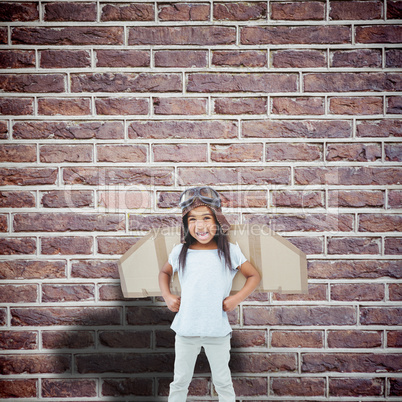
205	194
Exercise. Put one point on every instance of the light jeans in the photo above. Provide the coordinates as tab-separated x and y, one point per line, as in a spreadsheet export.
187	348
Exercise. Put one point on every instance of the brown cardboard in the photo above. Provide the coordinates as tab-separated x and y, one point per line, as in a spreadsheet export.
283	267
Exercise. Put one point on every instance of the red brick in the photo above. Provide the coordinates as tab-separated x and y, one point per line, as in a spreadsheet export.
40	83
128	12
30	269
18	294
65	153
394	105
67	293
286	35
245	175
115	245
347	175
17	153
394	9
183	35
296	129
184	12
17	59
236	152
252	386
354	339
45	316
3	129
293	152
393	152
148	316
356	198
357	152
180	153
180	58
122	58
316	292
298	11
263	362
238	82
68	388
126	199
297	199
356	105
351	82
3	35
298	386
126	82
395	199
349	387
393	58
106	176
127	386
299	315
35	364
380	223
297	339
4	223
240	105
17	199
63	11
66	106
379	128
354	269
147	222
394	339
110	293
66	245
357	292
70	36
94	269
395	292
393	246
380	315
395	387
17	388
240	11
239	58
359	58
68	339
354	245
378	34
350	362
182	129
23	12
298	106
14	245
67	199
68	130
18	340
356	10
126	339
65	59
244	338
121	106
298	58
121	153
179	106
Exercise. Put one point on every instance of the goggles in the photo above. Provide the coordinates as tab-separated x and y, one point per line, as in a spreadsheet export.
206	194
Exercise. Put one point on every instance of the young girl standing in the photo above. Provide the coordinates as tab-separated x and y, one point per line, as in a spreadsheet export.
206	263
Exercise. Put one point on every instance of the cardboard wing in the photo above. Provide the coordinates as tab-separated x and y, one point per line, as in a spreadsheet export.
283	267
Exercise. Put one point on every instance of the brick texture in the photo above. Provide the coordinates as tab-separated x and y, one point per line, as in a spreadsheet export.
109	109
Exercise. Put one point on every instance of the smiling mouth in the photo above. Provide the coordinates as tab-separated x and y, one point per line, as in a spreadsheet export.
202	235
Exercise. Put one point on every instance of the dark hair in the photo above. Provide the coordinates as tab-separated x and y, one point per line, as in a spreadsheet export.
221	240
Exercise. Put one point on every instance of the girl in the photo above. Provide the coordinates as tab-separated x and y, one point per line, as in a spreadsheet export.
206	263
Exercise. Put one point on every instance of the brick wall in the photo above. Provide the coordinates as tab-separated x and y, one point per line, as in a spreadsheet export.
109	109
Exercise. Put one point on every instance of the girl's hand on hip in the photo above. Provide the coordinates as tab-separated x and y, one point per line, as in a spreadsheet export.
230	303
173	303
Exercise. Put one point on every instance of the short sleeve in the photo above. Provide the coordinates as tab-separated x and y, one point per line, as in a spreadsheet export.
236	256
174	257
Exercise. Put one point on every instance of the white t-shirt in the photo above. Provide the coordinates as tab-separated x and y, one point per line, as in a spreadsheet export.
205	282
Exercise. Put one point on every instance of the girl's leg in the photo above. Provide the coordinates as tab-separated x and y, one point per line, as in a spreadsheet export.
218	354
186	349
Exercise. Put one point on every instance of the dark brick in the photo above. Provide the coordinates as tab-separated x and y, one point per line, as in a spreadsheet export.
65	59
68	388
356	10
63	11
298	11
40	83
17	59
240	11
23	12
184	12
128	12
122	58
353	387
17	388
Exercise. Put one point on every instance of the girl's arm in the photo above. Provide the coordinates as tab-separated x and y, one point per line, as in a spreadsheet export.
253	278
165	275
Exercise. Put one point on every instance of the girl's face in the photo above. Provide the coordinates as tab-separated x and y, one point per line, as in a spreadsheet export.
202	225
